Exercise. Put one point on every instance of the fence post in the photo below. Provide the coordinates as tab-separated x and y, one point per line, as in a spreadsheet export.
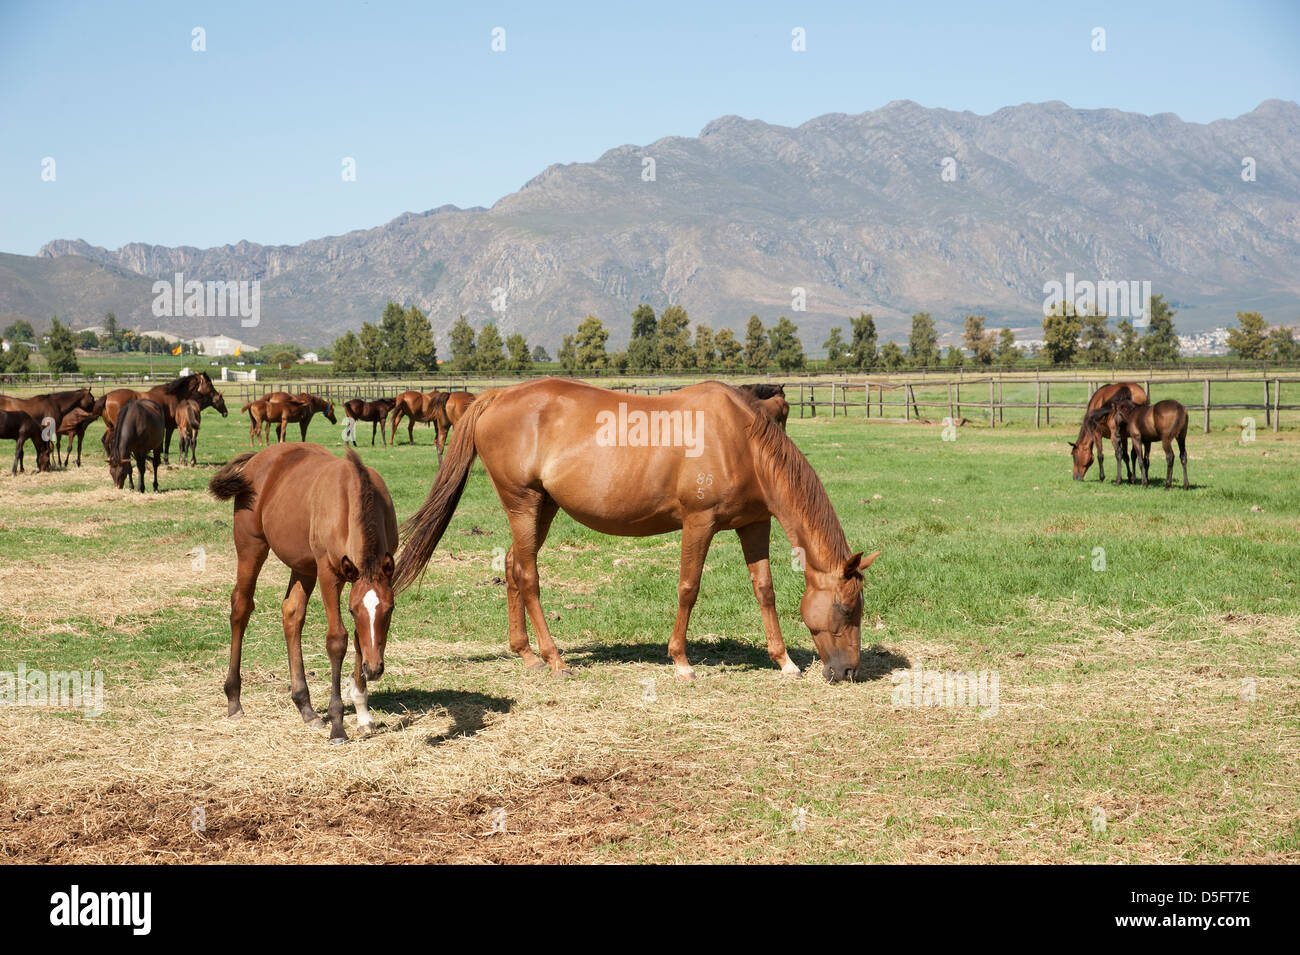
907	408
801	399
866	399
958	389
952	411
1207	406
832	399
1038	404
992	423
1047	406
1268	412
1277	401
812	399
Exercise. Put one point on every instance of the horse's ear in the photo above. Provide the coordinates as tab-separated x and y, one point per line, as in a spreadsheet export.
855	565
349	570
1073	445
386	565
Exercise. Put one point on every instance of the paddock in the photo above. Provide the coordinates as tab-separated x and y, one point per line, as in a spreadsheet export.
1051	672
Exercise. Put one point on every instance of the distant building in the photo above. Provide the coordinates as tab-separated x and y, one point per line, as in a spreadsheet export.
311	357
168	337
218	345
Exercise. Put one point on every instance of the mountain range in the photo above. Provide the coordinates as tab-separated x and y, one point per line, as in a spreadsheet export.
893	211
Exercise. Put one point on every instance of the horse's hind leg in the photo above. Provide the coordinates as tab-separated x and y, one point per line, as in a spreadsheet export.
530	521
155	471
251	553
754	542
1169	462
697	534
517	617
293	612
1182	456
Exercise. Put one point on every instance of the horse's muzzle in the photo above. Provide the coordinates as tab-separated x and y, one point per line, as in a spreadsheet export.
837	674
373	673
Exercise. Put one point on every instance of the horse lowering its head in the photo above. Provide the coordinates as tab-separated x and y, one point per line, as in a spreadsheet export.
331	521
376	412
700	460
141	427
20	427
1095	427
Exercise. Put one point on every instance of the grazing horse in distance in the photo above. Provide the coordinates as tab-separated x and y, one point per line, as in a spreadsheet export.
1096	427
375	411
1165	421
168	395
330	520
420	406
188	416
700	460
49	410
283	409
74	425
141	428
20	427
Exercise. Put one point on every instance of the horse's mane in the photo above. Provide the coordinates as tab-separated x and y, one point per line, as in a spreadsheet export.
764	390
179	386
368	518
785	463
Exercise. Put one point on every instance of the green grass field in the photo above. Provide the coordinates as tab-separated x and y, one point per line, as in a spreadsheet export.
1144	644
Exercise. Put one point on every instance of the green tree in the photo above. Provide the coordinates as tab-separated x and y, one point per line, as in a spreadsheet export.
729	350
14	361
1160	343
60	350
372	348
21	331
892	357
517	348
980	342
540	354
956	357
349	356
1008	353
923	343
1249	341
758	354
1282	346
489	353
463	358
674	339
421	352
643	348
862	352
1130	346
87	339
282	358
592	336
787	350
706	357
837	354
392	325
1061	327
1097	340
568	355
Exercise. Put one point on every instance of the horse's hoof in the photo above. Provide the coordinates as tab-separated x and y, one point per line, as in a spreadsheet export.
366	728
236	716
564	674
314	723
685	674
338	740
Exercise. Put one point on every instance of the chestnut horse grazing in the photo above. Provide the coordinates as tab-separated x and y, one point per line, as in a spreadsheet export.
141	429
703	459
283	408
376	412
187	423
418	406
1165	421
74	425
198	386
20	427
1095	427
329	519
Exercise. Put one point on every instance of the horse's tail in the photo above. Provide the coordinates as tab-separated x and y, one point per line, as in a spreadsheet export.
230	482
246	407
425	527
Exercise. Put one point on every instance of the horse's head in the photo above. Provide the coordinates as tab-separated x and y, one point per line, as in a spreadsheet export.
219	402
43	452
371	603
326	408
1082	452
118	469
832	611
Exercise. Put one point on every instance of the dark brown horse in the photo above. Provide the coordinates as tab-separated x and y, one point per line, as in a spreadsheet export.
20	427
329	519
1165	421
418	406
283	409
188	421
375	411
50	409
74	425
141	428
1096	427
703	459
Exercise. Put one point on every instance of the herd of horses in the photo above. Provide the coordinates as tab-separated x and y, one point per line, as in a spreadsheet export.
703	460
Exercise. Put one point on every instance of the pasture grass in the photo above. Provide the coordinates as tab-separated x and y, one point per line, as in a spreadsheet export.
1146	712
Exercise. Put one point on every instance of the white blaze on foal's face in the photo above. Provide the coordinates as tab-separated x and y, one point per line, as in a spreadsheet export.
371	601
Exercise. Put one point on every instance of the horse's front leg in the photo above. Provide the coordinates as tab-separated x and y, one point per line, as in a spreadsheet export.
336	644
754	542
293	613
357	691
697	534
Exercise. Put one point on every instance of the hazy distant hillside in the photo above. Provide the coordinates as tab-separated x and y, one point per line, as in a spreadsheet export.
853	209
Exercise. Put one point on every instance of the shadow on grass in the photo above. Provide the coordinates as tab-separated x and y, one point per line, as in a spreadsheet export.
468	710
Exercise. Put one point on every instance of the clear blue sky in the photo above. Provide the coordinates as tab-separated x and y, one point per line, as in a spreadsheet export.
156	143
